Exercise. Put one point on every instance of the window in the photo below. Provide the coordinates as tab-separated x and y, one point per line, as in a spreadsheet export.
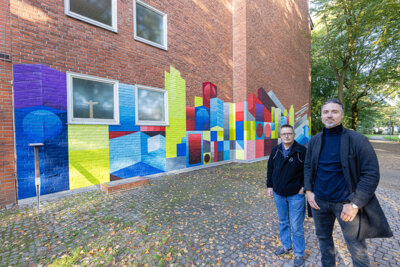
151	106
102	13
150	25
92	100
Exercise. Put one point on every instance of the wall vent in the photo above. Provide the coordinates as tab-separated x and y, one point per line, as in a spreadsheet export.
5	57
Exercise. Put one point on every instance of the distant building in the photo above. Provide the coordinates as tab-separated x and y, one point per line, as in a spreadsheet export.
117	89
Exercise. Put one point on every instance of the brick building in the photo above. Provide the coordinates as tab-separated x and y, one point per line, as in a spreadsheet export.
116	89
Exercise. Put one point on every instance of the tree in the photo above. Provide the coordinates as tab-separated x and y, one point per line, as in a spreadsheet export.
359	40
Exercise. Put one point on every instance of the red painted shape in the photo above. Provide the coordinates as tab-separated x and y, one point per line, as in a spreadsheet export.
206	94
112	135
260	130
252	101
215	151
209	91
239	111
190	119
259	148
152	128
267	132
194	148
267	115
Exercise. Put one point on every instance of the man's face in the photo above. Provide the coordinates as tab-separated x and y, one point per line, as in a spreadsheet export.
287	136
331	115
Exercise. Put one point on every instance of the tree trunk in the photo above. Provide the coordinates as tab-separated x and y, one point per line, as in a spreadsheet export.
354	114
341	85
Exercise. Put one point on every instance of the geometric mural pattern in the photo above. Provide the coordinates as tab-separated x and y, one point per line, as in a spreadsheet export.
75	156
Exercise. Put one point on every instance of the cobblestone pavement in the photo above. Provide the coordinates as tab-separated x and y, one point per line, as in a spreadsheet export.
212	217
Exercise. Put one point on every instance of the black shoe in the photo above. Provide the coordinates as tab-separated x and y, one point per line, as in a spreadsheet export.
282	250
298	261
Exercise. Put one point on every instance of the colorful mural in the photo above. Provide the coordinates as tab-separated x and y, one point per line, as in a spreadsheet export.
75	156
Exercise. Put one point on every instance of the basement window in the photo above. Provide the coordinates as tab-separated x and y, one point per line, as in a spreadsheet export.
151	106
150	25
102	13
92	100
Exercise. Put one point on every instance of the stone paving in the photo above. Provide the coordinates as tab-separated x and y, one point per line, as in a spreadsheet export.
218	216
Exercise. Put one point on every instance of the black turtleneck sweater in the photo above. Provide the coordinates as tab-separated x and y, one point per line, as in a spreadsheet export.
330	184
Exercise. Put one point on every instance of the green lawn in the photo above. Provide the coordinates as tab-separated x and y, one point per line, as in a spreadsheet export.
386	137
392	138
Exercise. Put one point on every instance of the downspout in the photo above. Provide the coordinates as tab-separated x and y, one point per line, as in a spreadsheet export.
13	106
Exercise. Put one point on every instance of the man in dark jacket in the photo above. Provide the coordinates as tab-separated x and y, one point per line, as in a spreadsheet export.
341	173
285	179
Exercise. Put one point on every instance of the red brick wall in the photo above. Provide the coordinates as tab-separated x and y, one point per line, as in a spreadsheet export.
278	50
199	43
239	50
7	169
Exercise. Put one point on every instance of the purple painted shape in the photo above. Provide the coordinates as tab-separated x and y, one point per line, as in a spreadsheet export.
39	85
259	112
54	88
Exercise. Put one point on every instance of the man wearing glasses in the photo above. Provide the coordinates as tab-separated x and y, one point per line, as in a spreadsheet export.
285	178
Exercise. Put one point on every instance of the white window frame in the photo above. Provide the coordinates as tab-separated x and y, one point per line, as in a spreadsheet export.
114	20
151	123
141	39
70	98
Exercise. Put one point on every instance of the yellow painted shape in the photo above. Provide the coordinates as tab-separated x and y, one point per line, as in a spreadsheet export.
291	115
249	130
246	130
220	135
277	117
88	152
198	101
285	112
217	128
207	135
240	154
176	87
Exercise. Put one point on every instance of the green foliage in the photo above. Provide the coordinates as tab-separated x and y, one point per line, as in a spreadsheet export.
355	55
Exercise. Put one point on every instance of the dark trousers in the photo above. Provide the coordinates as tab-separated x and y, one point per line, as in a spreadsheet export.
324	220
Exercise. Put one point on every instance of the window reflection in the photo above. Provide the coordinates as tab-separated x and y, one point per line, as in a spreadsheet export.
149	24
92	99
99	10
150	105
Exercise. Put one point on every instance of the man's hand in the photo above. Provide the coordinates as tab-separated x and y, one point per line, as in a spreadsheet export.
348	213
270	192
311	200
301	191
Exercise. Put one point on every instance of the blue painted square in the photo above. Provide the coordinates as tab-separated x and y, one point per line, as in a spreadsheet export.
202	118
217	112
126	109
181	150
227	155
214	136
220	145
226	145
49	126
241	145
239	130
283	120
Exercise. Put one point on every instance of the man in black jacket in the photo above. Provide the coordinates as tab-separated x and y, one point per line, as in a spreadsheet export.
341	173
285	179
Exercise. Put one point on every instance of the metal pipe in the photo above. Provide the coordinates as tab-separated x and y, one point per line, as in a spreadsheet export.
37	171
